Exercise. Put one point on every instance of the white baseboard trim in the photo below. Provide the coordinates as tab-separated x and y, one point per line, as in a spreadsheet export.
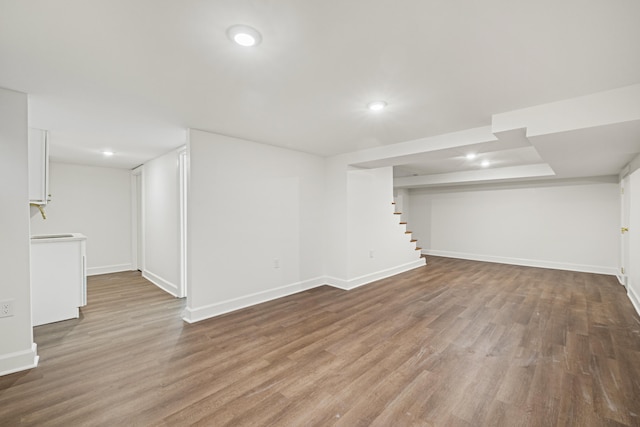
163	284
368	278
19	361
635	300
192	315
622	278
611	271
94	271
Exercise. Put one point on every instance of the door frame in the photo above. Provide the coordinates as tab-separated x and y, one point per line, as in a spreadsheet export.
183	172
137	221
625	211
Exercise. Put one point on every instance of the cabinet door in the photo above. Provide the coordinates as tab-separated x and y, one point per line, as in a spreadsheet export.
56	281
38	166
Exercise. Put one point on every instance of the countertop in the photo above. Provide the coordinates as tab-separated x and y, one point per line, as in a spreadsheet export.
52	238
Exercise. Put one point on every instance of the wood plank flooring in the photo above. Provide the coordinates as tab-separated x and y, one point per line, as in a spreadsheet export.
455	343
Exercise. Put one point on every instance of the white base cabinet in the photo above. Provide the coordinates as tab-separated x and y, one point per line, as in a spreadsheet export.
58	277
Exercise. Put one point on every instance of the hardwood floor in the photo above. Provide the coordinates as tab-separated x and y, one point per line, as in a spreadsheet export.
455	343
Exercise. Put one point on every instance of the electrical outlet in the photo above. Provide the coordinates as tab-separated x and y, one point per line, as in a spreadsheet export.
6	308
276	263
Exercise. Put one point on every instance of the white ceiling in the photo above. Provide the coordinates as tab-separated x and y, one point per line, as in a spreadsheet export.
133	75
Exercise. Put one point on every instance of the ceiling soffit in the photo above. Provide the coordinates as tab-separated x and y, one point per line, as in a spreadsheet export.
594	135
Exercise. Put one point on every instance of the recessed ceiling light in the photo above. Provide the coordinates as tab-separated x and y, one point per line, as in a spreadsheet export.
244	35
108	153
376	105
471	156
485	163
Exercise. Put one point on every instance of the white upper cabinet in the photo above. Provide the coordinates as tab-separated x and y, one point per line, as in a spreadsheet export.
38	167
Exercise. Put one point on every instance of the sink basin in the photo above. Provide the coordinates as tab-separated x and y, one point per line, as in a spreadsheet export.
52	236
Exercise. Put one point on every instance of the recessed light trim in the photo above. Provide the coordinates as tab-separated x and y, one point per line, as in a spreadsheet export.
471	156
376	105
108	153
485	163
244	35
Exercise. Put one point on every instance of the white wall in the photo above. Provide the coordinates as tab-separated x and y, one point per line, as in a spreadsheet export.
96	202
359	221
565	226
336	221
17	350
377	243
255	215
161	210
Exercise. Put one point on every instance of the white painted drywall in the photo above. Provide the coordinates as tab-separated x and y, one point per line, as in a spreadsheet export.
161	210
364	240
335	220
17	351
96	202
376	240
255	215
573	227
